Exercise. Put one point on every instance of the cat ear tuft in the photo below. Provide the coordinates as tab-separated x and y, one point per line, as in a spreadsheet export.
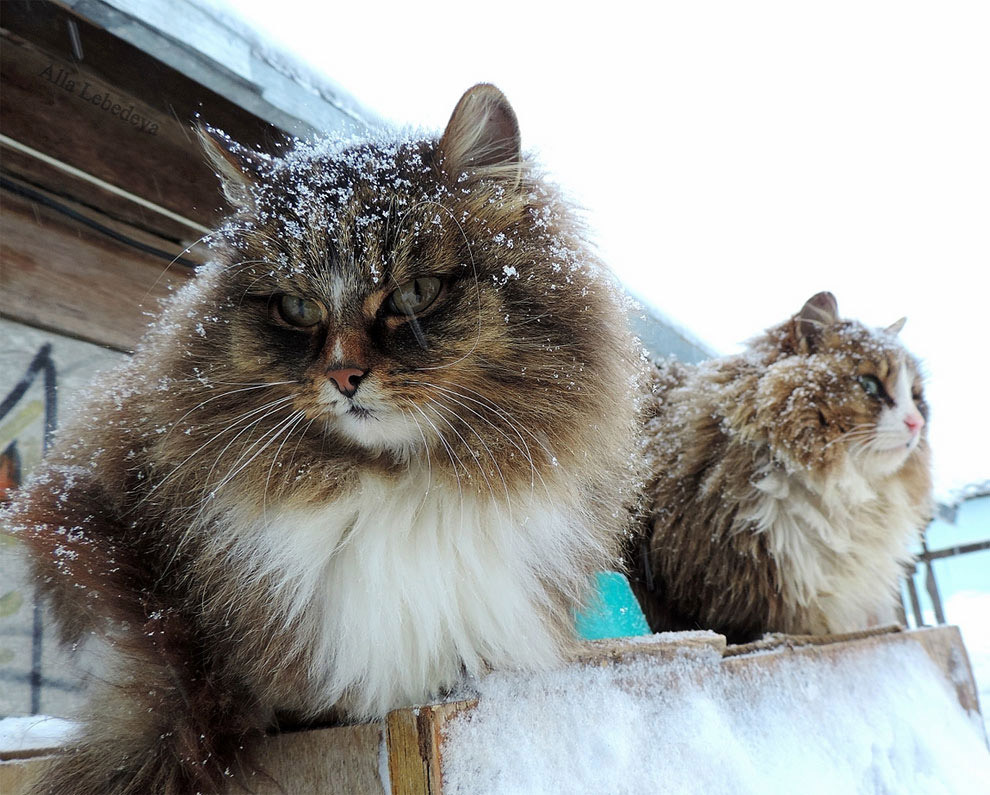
482	133
818	312
895	327
232	164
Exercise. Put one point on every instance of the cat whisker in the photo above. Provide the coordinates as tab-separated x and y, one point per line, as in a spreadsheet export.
273	434
450	453
271	467
248	428
491	455
477	459
178	256
504	414
231	424
426	449
180	466
857	431
247	388
526	454
195	522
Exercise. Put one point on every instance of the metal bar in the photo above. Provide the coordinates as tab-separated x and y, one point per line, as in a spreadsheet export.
962	549
915	601
931	585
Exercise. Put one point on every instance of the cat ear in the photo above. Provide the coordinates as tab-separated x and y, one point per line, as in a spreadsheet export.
232	164
818	312
482	133
895	328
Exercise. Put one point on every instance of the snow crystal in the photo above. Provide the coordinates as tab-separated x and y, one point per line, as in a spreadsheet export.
883	720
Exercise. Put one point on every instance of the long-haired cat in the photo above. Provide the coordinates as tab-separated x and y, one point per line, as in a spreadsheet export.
362	453
787	483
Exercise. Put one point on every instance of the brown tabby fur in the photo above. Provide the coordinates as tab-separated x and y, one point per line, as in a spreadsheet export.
788	410
512	366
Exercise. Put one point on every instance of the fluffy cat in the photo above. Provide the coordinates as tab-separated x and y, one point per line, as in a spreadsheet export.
361	454
787	483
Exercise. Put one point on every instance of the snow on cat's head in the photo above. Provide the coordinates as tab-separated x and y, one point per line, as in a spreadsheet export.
838	392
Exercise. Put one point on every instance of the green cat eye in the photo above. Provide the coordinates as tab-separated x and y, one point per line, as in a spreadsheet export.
414	297
297	311
871	385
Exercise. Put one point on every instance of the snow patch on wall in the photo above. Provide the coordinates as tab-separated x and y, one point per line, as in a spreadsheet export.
34	732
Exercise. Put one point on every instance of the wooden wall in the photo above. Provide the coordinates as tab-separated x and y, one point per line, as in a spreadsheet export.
103	184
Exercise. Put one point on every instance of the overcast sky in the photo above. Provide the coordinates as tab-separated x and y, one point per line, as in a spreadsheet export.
733	158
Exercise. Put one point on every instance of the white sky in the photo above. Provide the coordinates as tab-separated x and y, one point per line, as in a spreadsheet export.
734	158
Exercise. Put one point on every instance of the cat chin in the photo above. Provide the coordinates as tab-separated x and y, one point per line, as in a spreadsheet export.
379	431
884	462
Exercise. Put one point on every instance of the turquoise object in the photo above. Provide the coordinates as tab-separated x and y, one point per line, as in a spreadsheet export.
612	612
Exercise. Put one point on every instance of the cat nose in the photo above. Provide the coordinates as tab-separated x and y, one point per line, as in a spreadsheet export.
347	379
914	422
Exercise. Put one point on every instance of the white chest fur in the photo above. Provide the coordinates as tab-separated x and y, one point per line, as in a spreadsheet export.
840	548
400	586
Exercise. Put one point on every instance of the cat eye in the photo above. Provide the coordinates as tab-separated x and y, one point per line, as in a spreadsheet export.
297	311
871	385
414	297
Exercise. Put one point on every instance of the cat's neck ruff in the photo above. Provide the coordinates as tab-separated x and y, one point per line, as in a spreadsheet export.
400	585
837	537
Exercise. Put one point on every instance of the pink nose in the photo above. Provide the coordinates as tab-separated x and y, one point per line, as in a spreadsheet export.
347	379
914	422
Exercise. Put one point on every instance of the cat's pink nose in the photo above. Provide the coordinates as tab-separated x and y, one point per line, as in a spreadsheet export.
914	422
347	379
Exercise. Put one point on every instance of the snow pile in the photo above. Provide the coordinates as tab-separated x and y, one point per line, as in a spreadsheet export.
969	610
882	721
34	733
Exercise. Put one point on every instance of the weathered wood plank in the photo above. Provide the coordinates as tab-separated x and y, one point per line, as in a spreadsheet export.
415	746
56	273
338	761
117	114
16	775
671	644
57	182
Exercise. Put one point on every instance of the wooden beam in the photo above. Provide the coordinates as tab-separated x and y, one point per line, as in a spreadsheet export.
415	746
56	273
117	113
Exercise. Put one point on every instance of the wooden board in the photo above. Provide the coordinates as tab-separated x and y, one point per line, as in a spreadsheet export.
415	746
93	124
338	761
115	113
57	274
17	774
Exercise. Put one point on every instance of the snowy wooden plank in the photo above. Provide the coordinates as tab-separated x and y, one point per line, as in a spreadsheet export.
415	742
348	759
684	662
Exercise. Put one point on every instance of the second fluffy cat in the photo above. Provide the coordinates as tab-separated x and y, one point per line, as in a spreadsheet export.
788	483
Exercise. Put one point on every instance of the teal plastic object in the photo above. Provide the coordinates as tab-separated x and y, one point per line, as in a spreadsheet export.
613	611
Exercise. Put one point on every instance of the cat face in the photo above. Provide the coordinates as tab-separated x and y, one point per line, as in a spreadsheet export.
843	390
411	298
